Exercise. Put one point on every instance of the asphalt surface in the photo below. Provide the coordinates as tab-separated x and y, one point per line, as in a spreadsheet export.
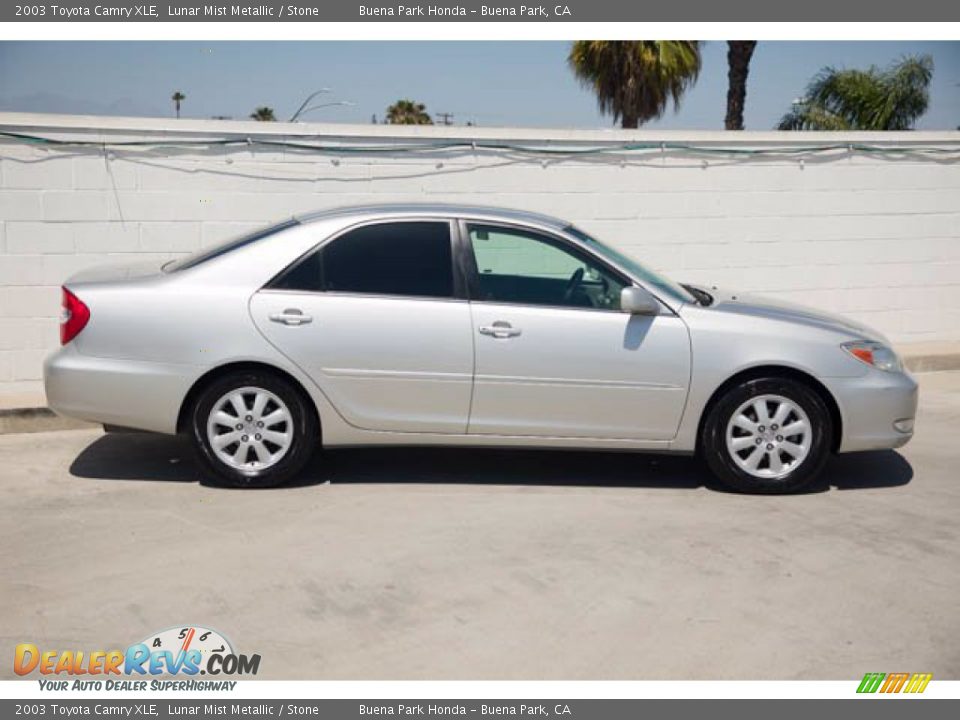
466	564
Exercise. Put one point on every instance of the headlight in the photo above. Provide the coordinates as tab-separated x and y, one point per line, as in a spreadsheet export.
875	355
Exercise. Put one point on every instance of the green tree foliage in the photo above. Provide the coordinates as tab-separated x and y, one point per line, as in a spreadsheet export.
890	98
408	112
178	97
636	80
263	114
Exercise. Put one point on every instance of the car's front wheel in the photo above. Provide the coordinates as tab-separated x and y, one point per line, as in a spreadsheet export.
768	435
252	429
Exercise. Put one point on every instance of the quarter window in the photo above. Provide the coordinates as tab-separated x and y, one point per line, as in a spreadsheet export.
518	266
403	258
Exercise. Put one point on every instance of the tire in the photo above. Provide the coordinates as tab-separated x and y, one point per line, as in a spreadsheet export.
265	446
752	453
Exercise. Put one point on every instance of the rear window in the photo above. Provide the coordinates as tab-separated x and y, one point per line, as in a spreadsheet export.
215	251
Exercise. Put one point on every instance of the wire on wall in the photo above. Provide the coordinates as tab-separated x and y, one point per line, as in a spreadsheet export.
613	149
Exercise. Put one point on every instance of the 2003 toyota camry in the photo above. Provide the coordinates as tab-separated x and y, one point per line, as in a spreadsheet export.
448	325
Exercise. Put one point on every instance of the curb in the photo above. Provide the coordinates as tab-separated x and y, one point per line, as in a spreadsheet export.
38	419
933	363
42	419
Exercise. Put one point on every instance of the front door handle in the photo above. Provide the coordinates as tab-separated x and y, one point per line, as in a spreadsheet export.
500	329
291	316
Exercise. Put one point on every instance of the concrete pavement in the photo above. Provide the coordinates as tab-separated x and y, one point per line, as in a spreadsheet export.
468	564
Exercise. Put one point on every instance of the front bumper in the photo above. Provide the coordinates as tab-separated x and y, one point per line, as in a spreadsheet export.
127	393
871	404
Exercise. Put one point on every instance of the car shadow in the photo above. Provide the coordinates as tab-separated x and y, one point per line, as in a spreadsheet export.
148	457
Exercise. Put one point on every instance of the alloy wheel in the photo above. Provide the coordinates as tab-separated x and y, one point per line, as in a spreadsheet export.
769	436
250	429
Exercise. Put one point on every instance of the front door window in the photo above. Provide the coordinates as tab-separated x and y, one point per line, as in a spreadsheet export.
523	267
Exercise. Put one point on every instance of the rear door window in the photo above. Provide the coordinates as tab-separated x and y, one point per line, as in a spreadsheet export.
412	259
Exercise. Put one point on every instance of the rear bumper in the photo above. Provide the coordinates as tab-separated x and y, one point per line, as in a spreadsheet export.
128	393
871	404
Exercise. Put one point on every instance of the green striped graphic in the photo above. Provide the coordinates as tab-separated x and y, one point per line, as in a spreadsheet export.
871	682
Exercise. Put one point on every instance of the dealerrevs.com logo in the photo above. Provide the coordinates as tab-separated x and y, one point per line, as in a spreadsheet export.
183	651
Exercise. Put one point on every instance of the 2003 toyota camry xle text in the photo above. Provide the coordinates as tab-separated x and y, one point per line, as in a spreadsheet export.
449	325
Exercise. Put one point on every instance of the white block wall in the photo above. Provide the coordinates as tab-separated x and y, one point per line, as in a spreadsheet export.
875	236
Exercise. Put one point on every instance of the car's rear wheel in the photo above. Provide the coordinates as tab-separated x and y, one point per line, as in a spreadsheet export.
252	429
768	435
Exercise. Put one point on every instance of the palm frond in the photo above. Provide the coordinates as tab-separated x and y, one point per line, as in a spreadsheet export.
636	81
873	99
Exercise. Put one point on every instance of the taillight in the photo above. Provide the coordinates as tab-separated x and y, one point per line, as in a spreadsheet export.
74	316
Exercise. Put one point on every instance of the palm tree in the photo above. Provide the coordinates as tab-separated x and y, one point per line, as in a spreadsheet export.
890	98
408	112
635	80
739	53
178	97
263	114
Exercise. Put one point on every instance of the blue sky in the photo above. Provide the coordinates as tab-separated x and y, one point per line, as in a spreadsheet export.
489	83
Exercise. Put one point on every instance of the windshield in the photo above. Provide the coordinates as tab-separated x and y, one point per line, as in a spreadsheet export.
668	287
201	256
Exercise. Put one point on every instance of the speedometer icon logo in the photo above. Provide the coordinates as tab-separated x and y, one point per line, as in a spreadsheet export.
180	640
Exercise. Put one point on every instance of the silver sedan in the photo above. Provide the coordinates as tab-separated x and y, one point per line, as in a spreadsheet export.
450	325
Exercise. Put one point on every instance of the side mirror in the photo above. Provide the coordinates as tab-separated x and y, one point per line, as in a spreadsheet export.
637	301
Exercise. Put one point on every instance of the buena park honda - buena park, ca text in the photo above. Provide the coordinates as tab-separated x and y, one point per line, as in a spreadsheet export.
282	11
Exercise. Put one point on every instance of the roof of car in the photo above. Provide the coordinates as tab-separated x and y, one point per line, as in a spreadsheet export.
435	210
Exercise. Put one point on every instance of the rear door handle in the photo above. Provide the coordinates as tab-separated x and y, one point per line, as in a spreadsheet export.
500	329
291	316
